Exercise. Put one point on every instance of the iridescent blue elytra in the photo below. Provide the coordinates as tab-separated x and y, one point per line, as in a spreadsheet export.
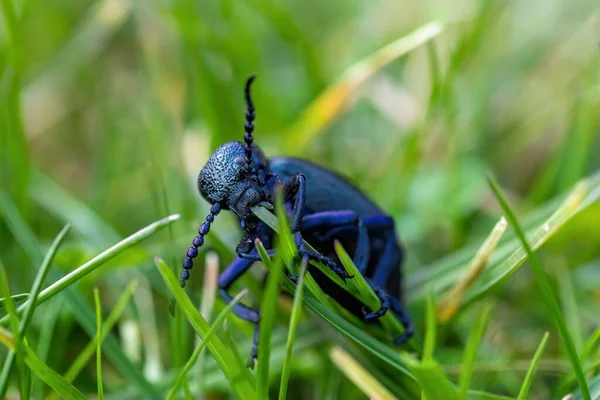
323	207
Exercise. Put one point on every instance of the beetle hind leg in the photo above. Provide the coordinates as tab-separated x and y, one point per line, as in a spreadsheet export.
383	298
405	319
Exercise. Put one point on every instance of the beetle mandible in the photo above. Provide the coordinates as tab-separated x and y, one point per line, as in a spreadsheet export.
322	206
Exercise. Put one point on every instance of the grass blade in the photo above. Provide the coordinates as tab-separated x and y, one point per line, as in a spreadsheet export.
98	261
16	299
42	371
359	375
294	319
238	375
431	329
544	284
431	378
99	344
470	353
532	367
213	328
320	303
334	100
18	348
450	302
269	311
87	353
35	291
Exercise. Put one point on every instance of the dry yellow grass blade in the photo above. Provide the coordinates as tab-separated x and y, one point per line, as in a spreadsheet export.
334	100
450	302
358	375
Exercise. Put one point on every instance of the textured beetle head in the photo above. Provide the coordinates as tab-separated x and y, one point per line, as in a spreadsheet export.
229	180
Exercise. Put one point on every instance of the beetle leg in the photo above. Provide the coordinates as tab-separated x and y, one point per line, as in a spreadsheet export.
390	258
295	188
383	298
337	224
404	318
226	279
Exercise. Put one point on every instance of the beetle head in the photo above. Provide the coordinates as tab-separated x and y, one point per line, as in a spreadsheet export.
229	180
233	178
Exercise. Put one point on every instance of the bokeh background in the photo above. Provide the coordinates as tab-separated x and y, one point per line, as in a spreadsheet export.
108	110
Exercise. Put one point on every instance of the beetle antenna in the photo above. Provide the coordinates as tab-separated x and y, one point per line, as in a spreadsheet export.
188	263
249	126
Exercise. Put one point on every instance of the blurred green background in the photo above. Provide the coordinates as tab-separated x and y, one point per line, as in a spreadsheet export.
108	110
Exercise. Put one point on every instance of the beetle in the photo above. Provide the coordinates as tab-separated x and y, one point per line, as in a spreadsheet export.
322	206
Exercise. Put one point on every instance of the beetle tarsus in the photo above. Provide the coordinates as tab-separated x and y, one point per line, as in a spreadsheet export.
383	298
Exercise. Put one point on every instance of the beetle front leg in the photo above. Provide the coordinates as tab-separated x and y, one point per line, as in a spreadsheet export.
226	279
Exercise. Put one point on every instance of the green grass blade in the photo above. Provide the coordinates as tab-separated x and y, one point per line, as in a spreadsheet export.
334	100
16	298
99	260
42	371
386	353
351	286
82	312
268	311
359	375
544	223
194	357
18	341
86	354
35	291
431	378
470	353
594	390
238	375
544	284
320	303
294	319
367	296
532	367
99	344
431	329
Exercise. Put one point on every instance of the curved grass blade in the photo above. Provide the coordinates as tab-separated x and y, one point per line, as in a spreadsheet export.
359	375
544	284
194	357
238	375
531	371
35	291
334	100
294	319
41	370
